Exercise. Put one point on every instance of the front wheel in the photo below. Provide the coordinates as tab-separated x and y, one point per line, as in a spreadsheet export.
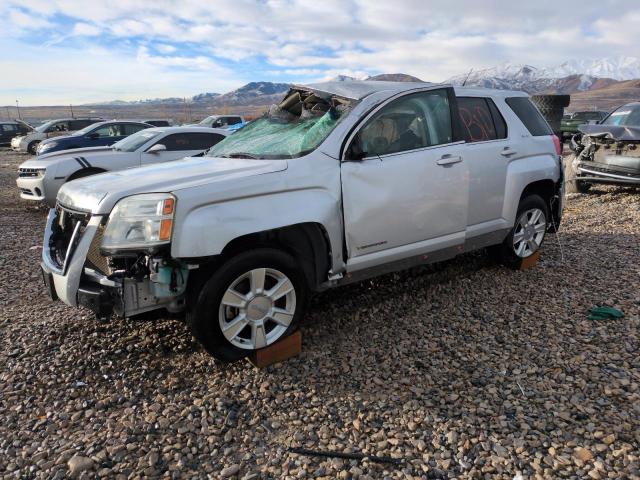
253	300
527	235
33	147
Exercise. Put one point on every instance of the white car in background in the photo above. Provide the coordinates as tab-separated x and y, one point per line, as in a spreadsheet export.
41	177
28	143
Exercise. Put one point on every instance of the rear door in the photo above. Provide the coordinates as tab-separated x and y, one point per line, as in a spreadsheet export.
408	194
488	152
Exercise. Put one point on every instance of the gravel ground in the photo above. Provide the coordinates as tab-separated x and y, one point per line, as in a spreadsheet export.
462	370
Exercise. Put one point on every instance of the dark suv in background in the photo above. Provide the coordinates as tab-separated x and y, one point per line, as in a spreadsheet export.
10	129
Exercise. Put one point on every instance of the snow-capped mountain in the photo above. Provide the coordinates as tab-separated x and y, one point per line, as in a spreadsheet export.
618	68
568	77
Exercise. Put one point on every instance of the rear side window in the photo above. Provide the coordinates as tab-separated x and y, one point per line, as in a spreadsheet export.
233	120
130	128
9	127
79	124
481	120
530	116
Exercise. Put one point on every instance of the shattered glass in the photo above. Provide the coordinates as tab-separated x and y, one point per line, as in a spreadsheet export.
292	129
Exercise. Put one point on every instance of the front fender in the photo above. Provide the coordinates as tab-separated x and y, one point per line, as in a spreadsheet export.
206	230
523	172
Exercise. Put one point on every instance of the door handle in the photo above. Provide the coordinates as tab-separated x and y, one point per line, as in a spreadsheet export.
448	159
507	152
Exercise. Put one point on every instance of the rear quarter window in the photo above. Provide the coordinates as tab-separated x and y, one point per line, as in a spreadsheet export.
529	116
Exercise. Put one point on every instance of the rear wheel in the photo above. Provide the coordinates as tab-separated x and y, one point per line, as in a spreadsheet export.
527	235
571	182
253	300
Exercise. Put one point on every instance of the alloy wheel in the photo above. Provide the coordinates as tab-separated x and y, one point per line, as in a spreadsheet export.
529	232
257	308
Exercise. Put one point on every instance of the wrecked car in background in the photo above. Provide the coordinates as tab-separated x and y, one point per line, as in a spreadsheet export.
606	153
340	182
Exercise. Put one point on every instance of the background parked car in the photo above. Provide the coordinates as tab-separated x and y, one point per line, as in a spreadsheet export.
95	135
53	128
10	129
40	177
230	122
569	126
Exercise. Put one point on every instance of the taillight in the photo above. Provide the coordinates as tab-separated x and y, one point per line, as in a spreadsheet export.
556	142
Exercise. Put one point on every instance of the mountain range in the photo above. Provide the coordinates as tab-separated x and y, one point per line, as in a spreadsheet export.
601	83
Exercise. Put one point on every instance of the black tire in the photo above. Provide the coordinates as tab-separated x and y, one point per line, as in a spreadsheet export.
571	182
33	146
504	253
205	306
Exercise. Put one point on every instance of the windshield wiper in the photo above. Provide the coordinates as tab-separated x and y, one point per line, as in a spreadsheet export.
240	155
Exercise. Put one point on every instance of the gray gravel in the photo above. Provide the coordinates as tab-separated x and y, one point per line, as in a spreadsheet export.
462	370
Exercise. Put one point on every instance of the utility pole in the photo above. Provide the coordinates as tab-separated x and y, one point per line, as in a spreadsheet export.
8	113
71	108
18	108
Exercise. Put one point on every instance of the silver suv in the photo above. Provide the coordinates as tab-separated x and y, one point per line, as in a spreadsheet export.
339	182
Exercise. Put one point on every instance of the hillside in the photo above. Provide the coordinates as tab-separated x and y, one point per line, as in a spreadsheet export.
608	97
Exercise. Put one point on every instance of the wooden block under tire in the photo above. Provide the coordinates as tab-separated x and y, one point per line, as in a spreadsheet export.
284	349
530	262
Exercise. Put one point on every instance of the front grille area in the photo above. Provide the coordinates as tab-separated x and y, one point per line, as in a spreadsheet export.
26	191
29	172
63	241
94	257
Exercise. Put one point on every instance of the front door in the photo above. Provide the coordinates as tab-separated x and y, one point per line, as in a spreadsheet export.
408	194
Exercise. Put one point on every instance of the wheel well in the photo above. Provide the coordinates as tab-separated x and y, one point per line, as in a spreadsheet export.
548	190
85	172
307	242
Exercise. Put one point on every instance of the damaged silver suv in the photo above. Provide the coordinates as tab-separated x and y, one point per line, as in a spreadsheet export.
340	182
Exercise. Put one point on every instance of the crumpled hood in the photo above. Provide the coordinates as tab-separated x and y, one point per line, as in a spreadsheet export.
616	132
99	193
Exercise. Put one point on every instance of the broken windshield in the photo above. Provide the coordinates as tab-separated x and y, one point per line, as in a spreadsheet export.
292	129
626	116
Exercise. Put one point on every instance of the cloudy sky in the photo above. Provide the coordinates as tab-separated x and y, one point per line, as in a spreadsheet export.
62	51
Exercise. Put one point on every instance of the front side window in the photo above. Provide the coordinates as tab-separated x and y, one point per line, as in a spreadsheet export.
414	121
626	116
113	130
189	141
481	120
294	128
135	141
58	127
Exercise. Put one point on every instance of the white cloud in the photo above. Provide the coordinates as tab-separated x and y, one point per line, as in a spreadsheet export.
432	40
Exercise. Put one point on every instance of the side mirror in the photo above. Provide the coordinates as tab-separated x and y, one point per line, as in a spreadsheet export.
93	135
158	147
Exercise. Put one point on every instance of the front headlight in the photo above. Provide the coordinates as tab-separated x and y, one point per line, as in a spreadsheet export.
140	221
43	147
